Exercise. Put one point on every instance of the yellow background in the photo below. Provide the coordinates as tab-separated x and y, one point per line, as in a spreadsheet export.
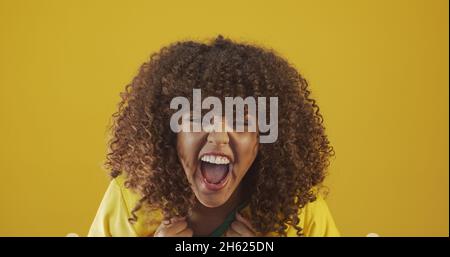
379	70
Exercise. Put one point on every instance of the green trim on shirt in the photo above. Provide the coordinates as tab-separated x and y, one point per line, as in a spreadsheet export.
220	230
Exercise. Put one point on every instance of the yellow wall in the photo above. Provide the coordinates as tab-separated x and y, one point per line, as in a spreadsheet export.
379	70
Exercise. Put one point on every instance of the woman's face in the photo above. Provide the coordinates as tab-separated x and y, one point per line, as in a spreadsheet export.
216	162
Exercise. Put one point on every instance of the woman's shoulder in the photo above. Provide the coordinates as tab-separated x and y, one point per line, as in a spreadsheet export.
316	219
117	208
146	221
129	196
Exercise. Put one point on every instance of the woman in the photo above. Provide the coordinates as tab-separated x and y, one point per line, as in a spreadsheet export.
215	182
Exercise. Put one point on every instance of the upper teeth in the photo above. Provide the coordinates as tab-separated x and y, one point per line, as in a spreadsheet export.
216	159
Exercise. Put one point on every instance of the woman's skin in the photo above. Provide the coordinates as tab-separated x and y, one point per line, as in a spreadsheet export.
214	203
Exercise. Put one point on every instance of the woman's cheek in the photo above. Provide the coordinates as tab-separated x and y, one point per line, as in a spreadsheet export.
248	142
246	148
188	147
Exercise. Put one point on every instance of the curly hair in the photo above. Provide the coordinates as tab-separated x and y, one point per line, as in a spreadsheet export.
284	173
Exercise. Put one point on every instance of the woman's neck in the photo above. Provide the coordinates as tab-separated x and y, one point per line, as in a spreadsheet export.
234	200
203	220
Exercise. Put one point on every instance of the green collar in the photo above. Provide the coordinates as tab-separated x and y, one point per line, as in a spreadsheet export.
220	230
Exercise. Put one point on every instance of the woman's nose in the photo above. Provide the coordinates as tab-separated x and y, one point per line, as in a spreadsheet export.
218	135
218	138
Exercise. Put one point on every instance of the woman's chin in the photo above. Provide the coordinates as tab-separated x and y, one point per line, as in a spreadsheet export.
212	200
210	203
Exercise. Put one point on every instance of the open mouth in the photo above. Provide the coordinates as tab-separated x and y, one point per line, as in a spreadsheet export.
215	170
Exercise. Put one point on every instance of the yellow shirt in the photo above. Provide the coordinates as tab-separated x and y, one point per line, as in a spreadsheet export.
115	209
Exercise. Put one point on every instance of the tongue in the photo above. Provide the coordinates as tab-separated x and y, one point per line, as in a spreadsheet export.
214	173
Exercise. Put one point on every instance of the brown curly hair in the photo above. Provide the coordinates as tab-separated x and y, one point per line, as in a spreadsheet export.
284	173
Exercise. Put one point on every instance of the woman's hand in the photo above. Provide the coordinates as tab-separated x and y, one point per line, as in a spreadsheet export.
241	227
175	227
